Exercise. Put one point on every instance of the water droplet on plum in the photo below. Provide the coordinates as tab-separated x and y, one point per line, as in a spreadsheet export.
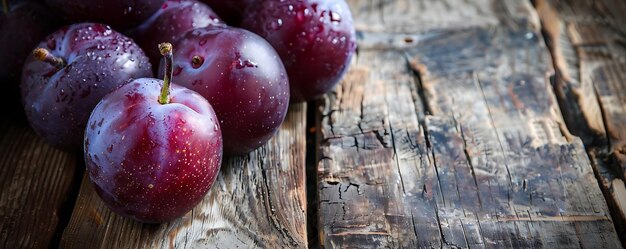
335	17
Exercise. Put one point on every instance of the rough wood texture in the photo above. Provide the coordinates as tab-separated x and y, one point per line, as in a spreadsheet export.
373	169
588	43
495	166
412	16
257	201
526	171
35	184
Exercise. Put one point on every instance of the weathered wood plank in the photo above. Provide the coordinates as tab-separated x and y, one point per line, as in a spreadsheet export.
536	206
495	167
257	201
398	23
375	181
35	185
533	181
588	43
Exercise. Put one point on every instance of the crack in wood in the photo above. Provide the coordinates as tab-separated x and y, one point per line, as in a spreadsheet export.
468	158
491	81
590	30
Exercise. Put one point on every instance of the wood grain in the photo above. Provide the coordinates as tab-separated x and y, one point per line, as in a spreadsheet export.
258	200
493	166
411	17
375	180
35	185
588	43
525	168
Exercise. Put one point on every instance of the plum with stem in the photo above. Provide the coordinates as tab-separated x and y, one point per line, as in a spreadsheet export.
172	20
244	79
153	149
68	74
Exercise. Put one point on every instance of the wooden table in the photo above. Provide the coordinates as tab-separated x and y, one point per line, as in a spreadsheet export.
461	123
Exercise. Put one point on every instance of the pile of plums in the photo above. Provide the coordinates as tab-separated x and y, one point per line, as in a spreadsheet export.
227	71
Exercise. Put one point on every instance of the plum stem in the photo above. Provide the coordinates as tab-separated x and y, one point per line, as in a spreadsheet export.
196	61
166	50
5	6
44	55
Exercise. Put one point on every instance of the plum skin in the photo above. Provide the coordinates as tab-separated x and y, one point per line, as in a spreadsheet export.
230	10
120	14
149	161
315	39
57	102
242	77
174	18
